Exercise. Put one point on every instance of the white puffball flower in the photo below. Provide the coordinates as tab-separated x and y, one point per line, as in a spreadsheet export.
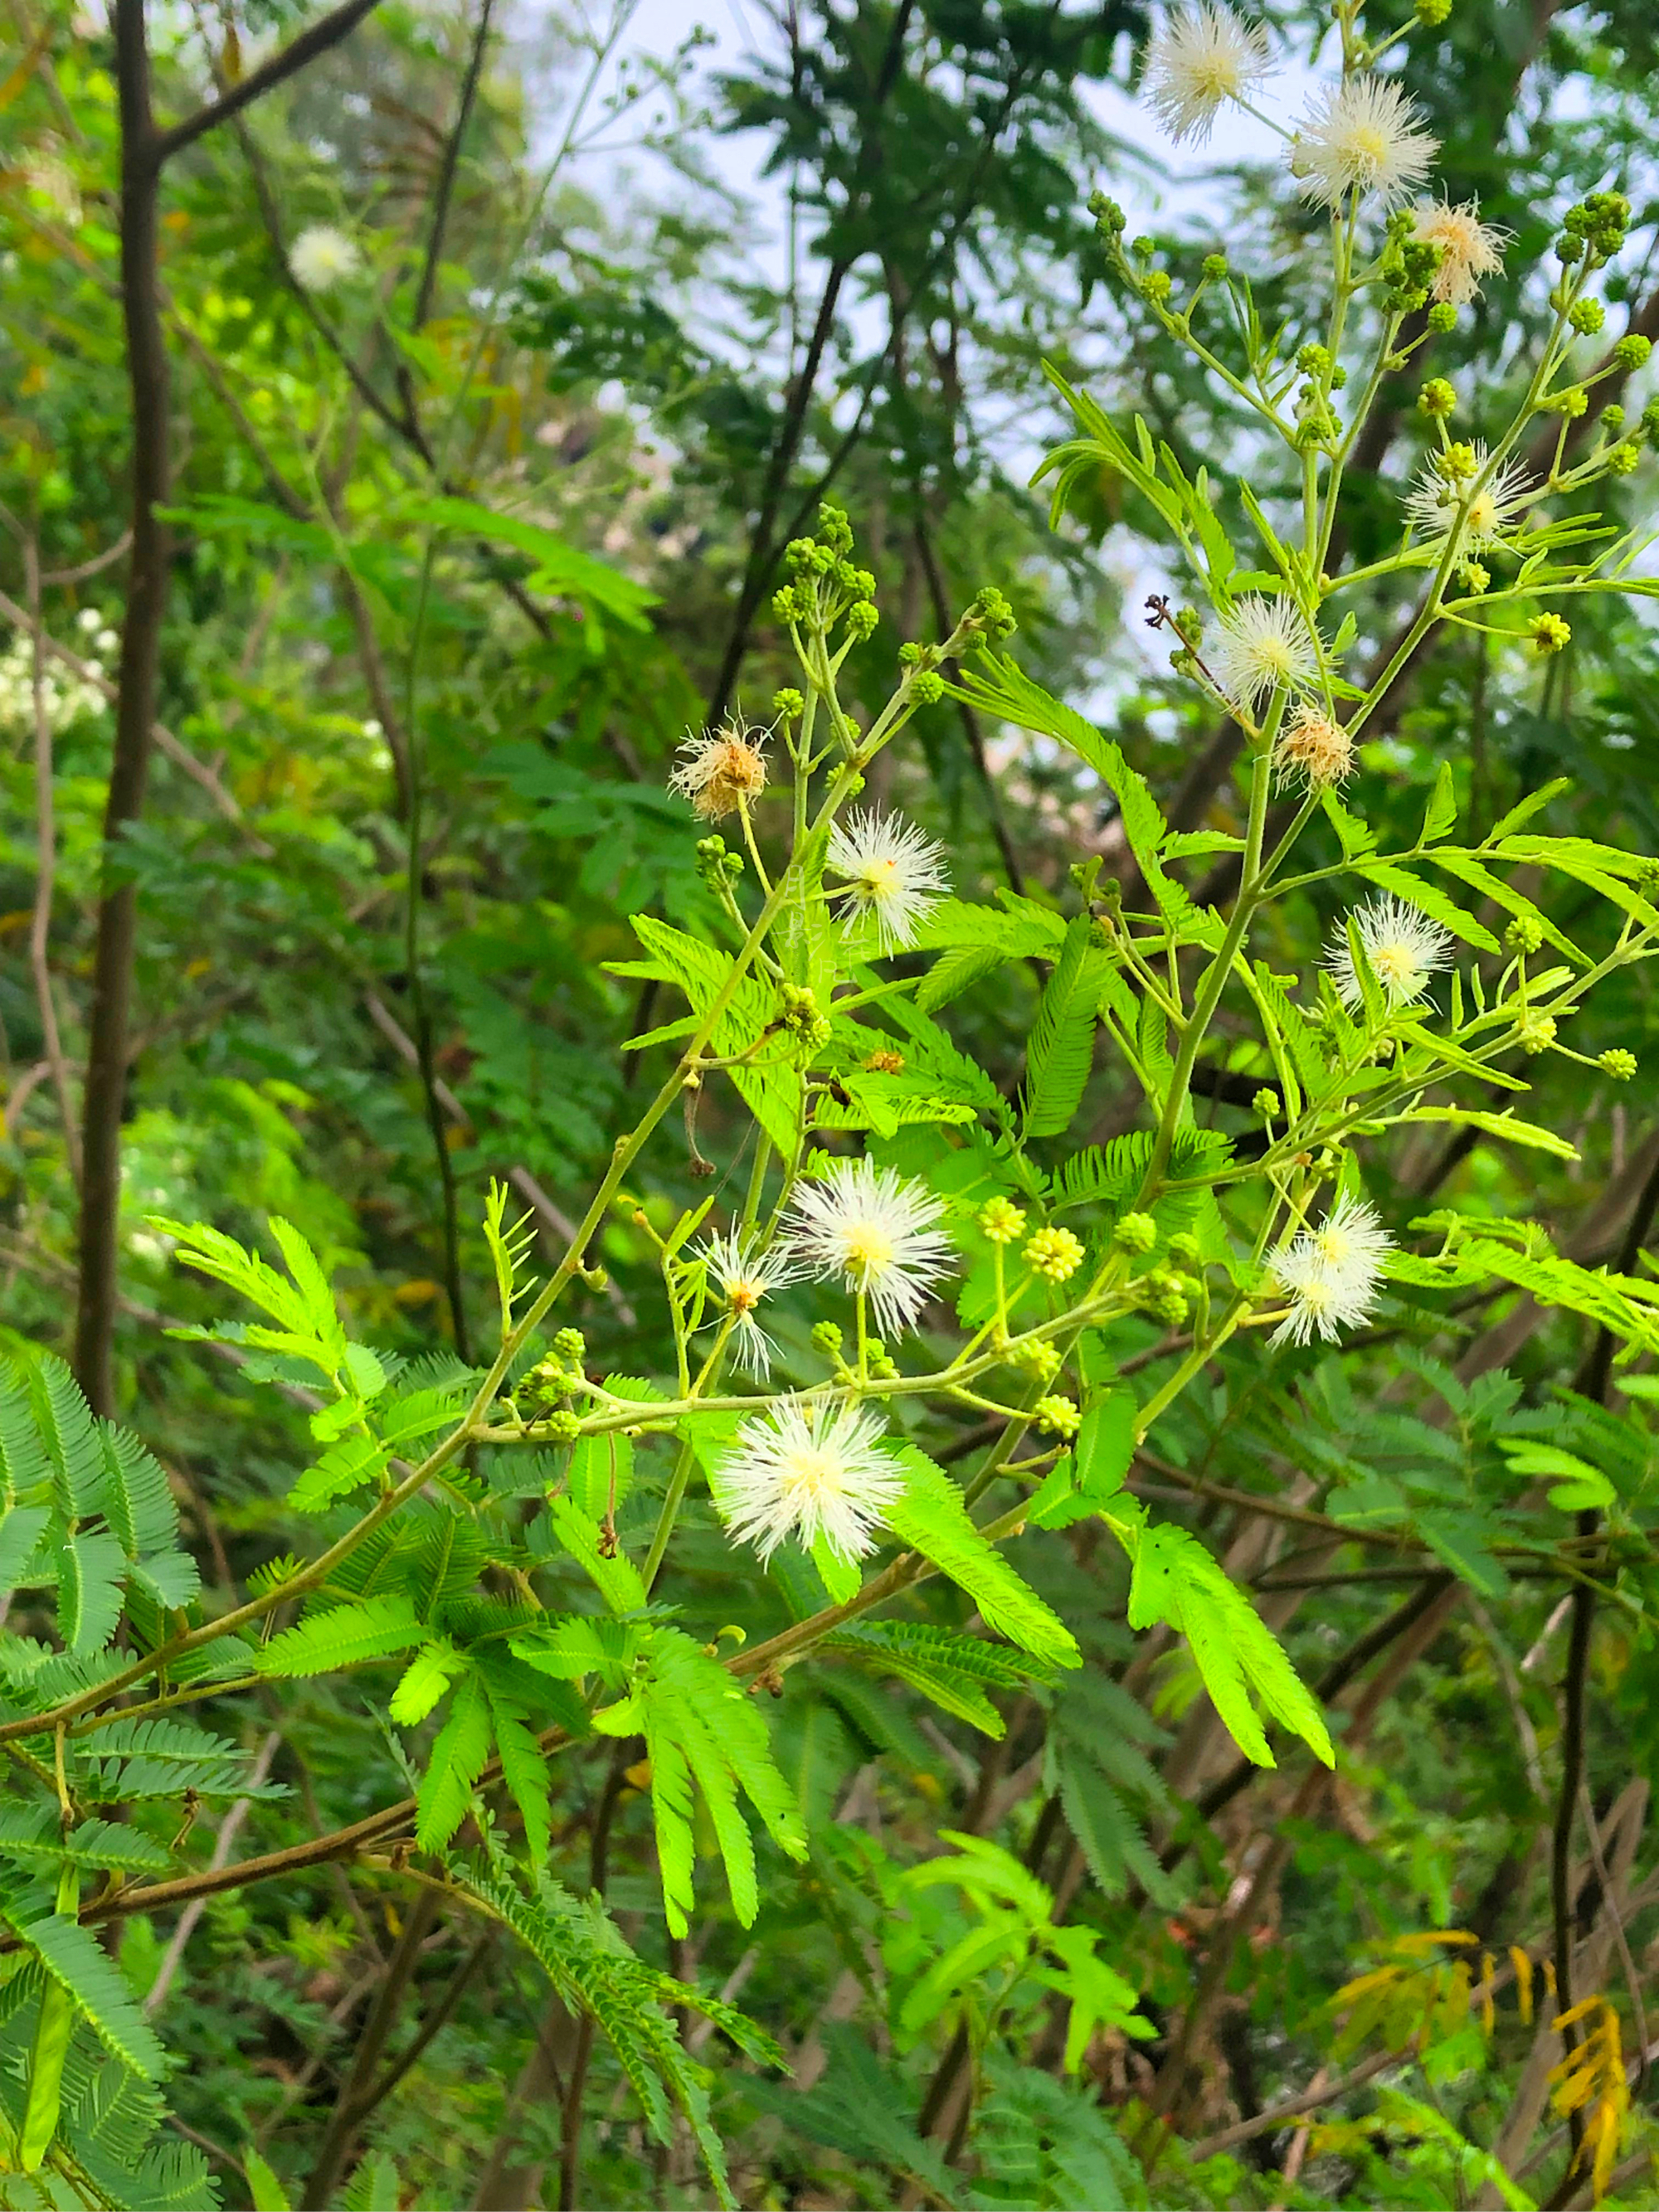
876	1229
1263	645
743	1279
1469	249
1202	57
1404	948
1363	137
1490	511
895	874
323	257
88	620
808	1470
1331	1273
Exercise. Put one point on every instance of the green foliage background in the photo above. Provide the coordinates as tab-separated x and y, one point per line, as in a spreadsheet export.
464	546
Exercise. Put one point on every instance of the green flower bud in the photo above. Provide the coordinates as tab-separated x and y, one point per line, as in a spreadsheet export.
1001	1221
827	1338
1524	934
1586	317
1617	1063
1431	13
1537	1033
788	704
1436	398
1572	400
927	687
563	1427
1215	264
1443	318
1549	633
1474	577
1157	284
1054	1254
1632	350
862	618
1143	248
1184	1249
570	1344
1058	1416
1624	459
1036	1357
1135	1233
1265	1103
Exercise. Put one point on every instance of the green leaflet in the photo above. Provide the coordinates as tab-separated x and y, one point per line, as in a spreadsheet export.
524	1767
69	1437
22	1452
702	1727
930	1516
1110	1174
263	2187
424	1681
1177	1580
616	1578
1430	899
79	1965
136	1500
343	1636
308	1324
561	567
160	1758
459	1758
773	1094
1060	1051
32	1834
584	1956
1495	1125
955	1671
90	1566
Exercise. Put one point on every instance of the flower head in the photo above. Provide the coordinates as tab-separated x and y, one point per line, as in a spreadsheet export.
743	1279
1489	511
1469	249
810	1470
1314	750
721	769
1404	949
1331	1273
895	874
322	258
1261	646
1202	57
876	1229
1363	137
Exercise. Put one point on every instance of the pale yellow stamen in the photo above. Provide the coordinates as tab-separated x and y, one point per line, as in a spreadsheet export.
869	1252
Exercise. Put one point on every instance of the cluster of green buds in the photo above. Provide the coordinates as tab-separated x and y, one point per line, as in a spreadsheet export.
715	865
1036	1357
1317	424
879	1362
799	1012
1618	1063
1408	266
990	616
1054	1255
551	1381
1593	229
922	679
827	586
1057	1417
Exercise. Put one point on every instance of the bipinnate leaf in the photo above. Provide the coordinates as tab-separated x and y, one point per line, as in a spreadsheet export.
343	1636
1177	1580
930	1516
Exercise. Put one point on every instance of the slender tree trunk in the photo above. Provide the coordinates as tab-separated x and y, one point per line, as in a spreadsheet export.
134	713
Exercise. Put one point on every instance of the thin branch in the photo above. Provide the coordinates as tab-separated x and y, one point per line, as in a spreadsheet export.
323	34
452	158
